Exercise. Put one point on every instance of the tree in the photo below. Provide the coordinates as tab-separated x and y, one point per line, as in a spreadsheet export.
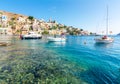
1	13
45	32
65	26
91	33
81	29
13	29
71	33
54	27
13	19
31	18
54	21
31	28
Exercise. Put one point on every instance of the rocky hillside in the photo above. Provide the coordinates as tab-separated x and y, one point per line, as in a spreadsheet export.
21	24
12	15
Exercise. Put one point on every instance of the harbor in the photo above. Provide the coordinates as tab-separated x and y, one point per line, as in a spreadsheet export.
60	42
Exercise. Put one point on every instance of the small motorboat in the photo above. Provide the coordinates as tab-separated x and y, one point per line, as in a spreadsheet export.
31	35
56	39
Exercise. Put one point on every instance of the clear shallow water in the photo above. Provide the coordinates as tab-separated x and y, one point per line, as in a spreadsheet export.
77	61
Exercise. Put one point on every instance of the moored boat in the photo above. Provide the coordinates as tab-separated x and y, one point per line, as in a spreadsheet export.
31	35
106	38
56	39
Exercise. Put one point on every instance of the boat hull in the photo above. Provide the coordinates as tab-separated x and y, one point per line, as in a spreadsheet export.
106	41
51	39
31	37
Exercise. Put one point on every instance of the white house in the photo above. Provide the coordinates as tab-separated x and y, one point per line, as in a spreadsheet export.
21	19
4	18
7	31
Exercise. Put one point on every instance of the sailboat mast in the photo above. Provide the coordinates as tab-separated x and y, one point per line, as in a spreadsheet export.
107	22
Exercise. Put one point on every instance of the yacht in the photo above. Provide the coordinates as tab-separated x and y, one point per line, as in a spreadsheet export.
31	35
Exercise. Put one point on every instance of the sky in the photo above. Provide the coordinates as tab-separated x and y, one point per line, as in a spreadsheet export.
85	14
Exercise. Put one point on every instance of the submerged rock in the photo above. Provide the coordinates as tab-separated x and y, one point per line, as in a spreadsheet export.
5	44
6	69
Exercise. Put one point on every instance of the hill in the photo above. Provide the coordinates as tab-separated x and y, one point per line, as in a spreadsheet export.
21	24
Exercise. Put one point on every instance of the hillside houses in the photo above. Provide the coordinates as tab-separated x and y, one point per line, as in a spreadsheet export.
16	24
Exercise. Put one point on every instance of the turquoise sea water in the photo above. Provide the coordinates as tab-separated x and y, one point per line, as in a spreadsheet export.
77	61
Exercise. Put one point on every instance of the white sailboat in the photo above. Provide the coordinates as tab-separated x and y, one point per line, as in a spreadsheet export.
105	38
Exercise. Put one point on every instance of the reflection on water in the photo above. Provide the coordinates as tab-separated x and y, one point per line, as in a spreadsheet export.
4	38
103	45
57	44
98	75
